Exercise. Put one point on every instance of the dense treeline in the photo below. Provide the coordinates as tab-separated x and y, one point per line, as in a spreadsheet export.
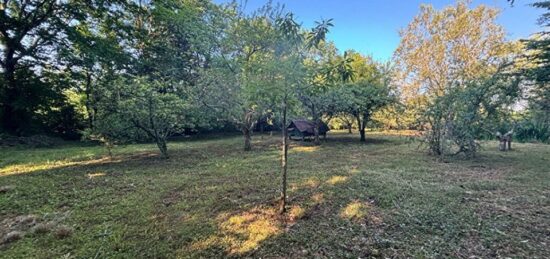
118	70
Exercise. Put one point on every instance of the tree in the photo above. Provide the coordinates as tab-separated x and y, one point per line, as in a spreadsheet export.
366	92
537	72
459	117
363	98
444	56
158	108
440	48
287	68
158	94
29	30
313	93
248	45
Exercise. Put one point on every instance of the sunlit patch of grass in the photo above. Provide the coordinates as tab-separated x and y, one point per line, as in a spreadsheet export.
33	167
318	197
310	182
97	174
243	232
337	179
408	133
305	149
355	210
296	212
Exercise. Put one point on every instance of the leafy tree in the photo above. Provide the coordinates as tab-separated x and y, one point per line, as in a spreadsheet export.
156	107
29	30
441	55
288	69
439	49
459	117
362	99
247	46
537	72
157	94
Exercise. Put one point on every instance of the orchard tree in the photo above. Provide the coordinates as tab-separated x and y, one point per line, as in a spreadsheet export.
159	108
30	31
367	91
441	54
288	70
246	45
538	73
362	99
440	49
157	93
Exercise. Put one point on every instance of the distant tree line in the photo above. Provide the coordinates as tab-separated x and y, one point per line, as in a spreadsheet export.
126	70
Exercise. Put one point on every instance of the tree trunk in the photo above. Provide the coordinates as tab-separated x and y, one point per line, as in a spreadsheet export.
316	140
261	130
89	108
11	117
161	143
247	138
349	128
502	145
284	157
508	137
247	127
361	125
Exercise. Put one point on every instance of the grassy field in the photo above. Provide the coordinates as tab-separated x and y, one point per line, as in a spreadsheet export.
385	198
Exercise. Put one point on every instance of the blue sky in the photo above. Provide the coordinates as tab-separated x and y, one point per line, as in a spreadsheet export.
371	26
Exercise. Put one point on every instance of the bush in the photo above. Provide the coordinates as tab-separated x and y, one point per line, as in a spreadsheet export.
532	129
460	117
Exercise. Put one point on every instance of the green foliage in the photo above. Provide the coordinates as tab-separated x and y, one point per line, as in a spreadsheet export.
31	35
460	117
157	108
532	128
360	99
537	71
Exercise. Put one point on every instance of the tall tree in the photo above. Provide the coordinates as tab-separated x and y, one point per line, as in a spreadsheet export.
158	93
442	54
440	48
248	45
539	70
313	93
362	98
288	68
30	31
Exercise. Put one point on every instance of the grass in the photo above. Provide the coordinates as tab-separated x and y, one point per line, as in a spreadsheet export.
385	198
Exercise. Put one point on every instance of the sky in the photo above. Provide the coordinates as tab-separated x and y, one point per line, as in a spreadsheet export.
372	26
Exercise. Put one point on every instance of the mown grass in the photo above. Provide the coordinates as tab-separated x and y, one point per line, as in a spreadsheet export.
385	198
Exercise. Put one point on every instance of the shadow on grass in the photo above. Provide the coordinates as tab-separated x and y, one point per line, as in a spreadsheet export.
214	200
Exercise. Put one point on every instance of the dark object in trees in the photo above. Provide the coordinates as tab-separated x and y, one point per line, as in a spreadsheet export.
305	128
505	140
